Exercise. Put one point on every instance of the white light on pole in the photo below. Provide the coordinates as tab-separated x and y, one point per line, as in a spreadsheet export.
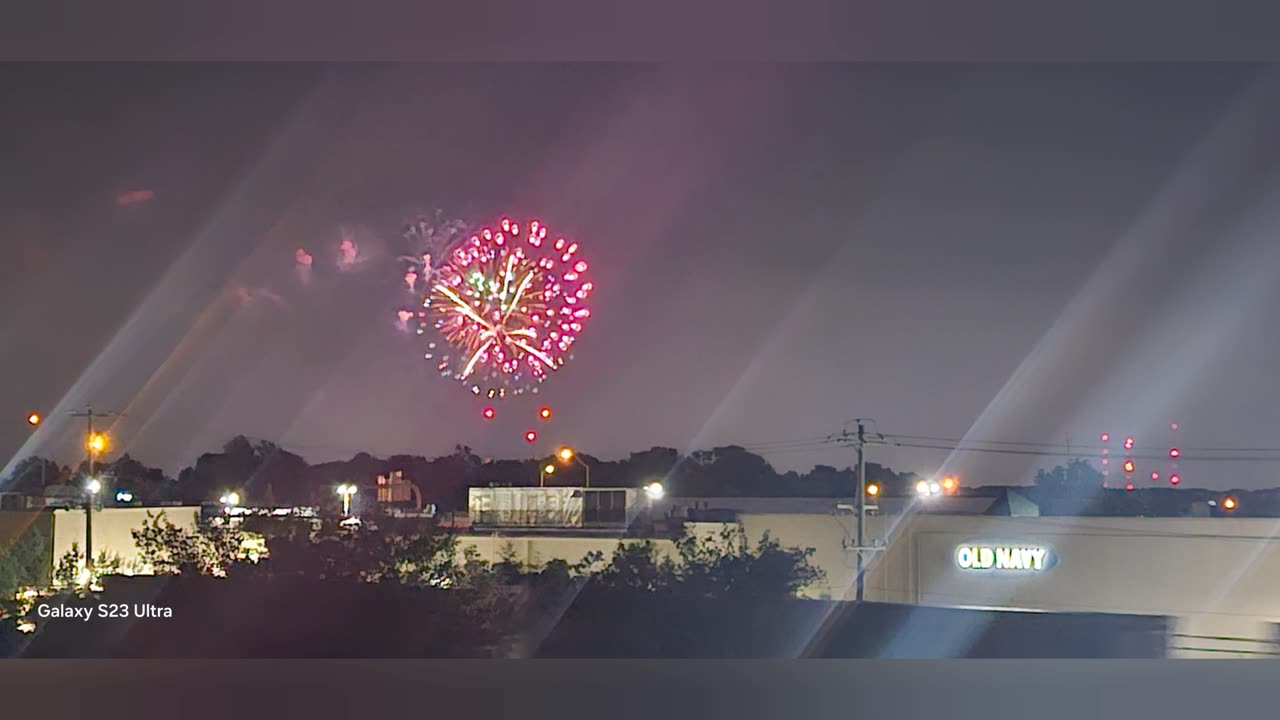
93	487
346	491
654	491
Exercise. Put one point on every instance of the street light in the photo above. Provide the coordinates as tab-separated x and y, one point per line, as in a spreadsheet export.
654	491
544	471
928	488
34	419
346	491
230	500
567	454
93	487
97	443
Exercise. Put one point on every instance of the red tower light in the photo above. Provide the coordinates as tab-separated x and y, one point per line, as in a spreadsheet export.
1105	437
488	413
1128	443
1128	487
530	436
1129	466
1154	476
1174	479
545	413
1174	452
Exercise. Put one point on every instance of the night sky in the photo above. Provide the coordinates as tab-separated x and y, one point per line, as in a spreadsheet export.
1017	253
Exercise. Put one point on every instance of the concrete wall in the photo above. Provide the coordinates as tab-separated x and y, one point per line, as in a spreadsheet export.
113	530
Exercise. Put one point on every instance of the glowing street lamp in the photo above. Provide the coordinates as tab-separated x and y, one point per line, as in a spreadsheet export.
97	443
33	419
544	471
93	487
229	500
566	454
873	489
928	488
654	491
346	491
1229	503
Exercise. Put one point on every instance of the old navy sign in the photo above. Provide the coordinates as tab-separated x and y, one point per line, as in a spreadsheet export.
1026	558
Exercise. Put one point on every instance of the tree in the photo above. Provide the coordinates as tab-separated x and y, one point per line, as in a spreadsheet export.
24	562
213	548
1077	479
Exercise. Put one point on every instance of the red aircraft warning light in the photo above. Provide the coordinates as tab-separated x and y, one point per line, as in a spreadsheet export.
1105	437
545	413
530	436
1174	479
1128	443
1128	487
1154	476
488	413
1129	466
1174	452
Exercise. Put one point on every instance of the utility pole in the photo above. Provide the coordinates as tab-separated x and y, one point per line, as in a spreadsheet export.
89	497
861	504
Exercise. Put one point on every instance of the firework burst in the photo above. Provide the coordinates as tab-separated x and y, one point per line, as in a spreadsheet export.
508	304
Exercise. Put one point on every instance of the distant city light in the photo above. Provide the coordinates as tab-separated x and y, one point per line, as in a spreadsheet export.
124	496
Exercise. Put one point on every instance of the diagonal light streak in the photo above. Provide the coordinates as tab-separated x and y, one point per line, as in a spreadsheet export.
515	302
534	352
471	364
463	307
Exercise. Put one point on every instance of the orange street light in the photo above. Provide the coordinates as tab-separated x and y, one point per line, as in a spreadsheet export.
949	484
34	419
1229	503
98	443
873	489
567	454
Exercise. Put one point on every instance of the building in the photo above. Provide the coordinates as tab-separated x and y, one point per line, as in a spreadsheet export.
1218	578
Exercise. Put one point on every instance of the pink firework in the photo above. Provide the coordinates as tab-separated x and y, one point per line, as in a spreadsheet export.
510	303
